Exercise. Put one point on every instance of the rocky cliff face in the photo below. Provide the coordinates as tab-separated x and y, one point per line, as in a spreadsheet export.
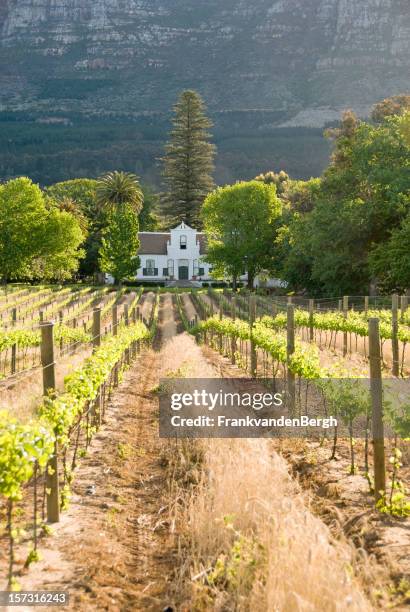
303	59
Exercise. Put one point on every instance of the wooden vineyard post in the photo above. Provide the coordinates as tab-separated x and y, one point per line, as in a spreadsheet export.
41	316
233	340
366	304
376	391
404	304
127	322
14	347
345	309
60	320
340	305
311	313
395	329
252	316
77	344
49	385
274	309
96	328
134	343
220	339
290	349
115	320
96	410
47	357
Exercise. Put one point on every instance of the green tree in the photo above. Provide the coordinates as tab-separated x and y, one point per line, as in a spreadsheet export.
36	241
390	260
188	163
117	189
240	222
63	240
301	196
82	193
79	196
360	202
291	258
68	205
22	214
396	105
120	244
279	179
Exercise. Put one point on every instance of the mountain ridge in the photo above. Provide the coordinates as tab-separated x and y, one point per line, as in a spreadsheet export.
133	56
88	85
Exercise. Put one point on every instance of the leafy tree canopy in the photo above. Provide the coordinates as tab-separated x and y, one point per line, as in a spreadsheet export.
81	191
79	196
360	204
36	240
240	223
396	105
120	244
279	179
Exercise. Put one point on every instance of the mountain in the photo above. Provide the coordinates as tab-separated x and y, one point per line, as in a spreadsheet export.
266	69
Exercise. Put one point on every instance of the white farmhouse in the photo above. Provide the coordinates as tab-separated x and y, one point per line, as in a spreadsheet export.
178	256
174	255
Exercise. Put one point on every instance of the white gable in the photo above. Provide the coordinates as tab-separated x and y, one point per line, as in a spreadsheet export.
183	226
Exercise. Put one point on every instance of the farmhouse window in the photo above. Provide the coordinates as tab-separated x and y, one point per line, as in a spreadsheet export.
151	270
182	242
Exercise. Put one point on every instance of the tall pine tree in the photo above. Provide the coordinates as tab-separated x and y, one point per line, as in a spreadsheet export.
188	161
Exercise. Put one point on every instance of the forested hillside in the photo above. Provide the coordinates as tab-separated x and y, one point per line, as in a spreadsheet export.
93	82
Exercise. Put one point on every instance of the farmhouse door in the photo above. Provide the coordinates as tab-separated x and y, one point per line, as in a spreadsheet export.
183	273
183	269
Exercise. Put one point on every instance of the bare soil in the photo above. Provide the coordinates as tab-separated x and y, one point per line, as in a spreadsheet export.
112	549
116	549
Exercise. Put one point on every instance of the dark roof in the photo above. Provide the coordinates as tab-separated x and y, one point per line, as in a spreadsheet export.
155	243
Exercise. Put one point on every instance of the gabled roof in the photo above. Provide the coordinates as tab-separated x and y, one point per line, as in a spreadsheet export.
153	243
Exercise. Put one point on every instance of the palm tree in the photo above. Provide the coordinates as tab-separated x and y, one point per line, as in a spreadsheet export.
118	188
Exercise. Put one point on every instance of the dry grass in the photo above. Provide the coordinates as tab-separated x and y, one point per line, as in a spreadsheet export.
247	538
181	353
252	542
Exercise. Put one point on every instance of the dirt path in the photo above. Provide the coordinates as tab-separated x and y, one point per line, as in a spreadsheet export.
189	307
112	549
116	548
